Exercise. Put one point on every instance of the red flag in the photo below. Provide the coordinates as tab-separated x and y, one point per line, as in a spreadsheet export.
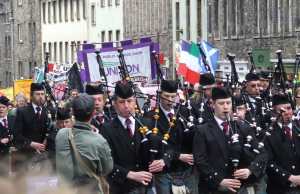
50	67
161	58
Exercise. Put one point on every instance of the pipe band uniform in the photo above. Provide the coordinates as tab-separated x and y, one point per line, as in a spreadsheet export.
124	135
102	113
283	145
200	101
228	140
173	125
6	137
31	130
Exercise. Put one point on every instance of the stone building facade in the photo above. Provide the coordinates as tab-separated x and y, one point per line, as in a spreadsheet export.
27	37
239	25
20	40
153	19
5	44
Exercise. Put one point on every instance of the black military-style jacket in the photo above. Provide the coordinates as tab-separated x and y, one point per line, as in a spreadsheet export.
6	133
125	152
213	156
180	142
30	127
284	158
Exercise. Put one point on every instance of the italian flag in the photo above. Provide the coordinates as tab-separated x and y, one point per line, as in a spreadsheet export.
189	62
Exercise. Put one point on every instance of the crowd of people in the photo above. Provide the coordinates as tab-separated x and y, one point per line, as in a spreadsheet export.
213	139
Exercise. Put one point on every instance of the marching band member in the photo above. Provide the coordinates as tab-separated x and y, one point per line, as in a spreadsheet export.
283	146
6	124
202	98
124	139
31	126
175	166
97	92
224	165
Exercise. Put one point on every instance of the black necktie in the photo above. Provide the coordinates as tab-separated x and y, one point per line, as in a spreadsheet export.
225	126
128	127
288	132
38	111
170	115
100	119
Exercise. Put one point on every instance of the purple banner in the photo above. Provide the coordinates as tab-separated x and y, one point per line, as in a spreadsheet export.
85	74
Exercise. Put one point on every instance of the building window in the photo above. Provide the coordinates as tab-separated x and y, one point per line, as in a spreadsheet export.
44	48
49	12
66	52
110	36
225	18
7	50
264	12
20	38
109	3
241	17
216	13
78	46
117	2
188	20
117	35
50	51
30	70
20	69
256	16
54	11
83	9
103	36
102	3
297	19
60	10
72	9
44	13
30	31
210	19
60	52
72	51
33	34
78	9
66	10
93	15
177	13
55	52
199	16
234	18
288	15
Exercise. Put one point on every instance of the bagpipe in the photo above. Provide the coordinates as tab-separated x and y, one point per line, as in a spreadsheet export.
281	83
241	144
51	105
108	102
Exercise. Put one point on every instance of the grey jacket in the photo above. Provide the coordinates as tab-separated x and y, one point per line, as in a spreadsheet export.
92	147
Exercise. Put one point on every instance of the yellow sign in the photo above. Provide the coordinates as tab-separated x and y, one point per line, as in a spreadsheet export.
22	86
8	92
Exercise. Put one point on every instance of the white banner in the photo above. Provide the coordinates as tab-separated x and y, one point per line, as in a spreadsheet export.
137	60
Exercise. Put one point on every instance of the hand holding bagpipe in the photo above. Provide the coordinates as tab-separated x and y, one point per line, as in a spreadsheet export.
235	148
